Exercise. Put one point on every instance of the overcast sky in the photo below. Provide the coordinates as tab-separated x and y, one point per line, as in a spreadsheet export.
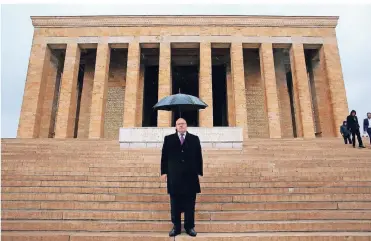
353	33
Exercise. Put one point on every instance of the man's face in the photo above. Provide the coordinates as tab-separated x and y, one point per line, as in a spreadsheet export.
181	125
345	123
369	115
353	113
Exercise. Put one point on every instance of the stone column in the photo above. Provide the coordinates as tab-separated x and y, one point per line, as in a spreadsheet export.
302	99
271	98
321	96
230	97
51	79
283	95
330	55
65	122
34	91
238	77
205	85
140	97
132	85
86	98
164	83
99	94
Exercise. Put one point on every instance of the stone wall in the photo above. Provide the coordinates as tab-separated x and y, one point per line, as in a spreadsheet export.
114	112
257	119
185	31
116	94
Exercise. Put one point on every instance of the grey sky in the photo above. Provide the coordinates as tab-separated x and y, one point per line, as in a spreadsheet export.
353	33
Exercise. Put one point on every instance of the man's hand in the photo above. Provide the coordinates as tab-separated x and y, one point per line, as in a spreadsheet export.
164	177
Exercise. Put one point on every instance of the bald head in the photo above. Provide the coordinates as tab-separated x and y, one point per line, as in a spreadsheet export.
181	125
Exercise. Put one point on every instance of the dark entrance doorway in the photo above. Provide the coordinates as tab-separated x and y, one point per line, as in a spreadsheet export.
150	96
185	80
220	56
220	114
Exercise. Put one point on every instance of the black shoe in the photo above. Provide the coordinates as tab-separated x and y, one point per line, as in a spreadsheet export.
174	232
191	232
362	147
354	146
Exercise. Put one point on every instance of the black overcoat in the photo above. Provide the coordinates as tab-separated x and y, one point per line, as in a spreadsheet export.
182	164
352	123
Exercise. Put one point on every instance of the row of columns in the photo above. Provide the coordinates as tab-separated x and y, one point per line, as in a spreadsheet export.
37	78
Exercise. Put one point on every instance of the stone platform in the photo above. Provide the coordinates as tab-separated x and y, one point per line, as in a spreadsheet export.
272	190
211	138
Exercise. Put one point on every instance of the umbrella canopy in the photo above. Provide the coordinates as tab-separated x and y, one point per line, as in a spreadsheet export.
180	102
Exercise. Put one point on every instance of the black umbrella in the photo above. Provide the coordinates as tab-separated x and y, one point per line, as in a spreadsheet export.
180	102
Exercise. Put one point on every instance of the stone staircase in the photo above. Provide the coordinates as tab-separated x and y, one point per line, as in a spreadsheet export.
276	190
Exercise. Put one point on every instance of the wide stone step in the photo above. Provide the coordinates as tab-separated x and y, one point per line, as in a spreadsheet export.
202	226
165	206
206	190
203	198
200	216
268	175
163	236
26	155
107	142
247	168
248	164
211	178
29	180
102	145
246	184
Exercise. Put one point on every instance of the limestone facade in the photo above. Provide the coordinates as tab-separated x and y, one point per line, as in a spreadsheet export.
283	78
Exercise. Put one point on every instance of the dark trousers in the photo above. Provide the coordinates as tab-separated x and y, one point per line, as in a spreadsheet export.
369	133
354	134
184	203
346	139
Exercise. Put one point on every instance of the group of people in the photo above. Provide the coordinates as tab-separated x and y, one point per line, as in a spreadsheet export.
350	128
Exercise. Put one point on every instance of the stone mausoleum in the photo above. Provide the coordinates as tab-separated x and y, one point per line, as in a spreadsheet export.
265	76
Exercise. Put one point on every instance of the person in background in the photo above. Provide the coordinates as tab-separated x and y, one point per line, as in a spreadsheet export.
353	127
345	133
367	125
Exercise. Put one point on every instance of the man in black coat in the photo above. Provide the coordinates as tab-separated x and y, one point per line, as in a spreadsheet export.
353	126
181	166
367	125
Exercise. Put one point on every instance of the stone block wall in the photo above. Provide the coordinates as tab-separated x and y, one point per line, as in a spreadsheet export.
257	119
114	111
116	94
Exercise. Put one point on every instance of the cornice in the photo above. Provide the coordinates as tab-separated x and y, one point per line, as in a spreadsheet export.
194	20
